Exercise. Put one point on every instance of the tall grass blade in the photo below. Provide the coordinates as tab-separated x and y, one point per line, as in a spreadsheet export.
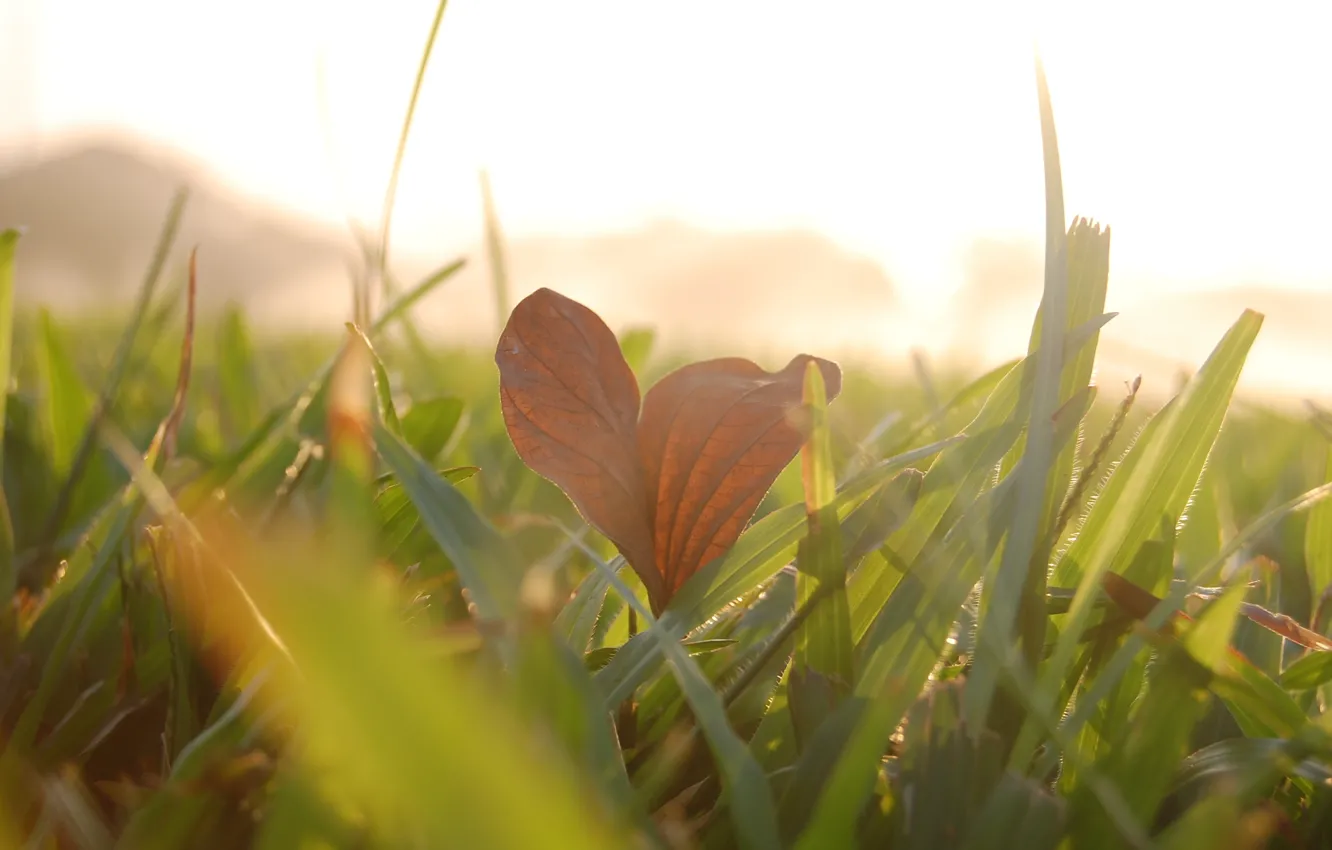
499	270
37	577
823	673
1150	487
8	577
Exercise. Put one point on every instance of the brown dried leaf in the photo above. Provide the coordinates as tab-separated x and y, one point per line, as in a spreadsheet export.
674	489
570	404
713	437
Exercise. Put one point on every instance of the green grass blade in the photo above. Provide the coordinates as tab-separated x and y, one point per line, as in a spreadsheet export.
1019	582
823	673
69	405
1152	486
499	272
237	373
403	733
391	190
111	388
748	794
401	306
1318	549
388	414
577	620
760	552
8	577
430	426
485	561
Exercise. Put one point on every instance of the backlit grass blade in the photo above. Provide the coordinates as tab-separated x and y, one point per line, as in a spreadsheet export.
1016	583
1318	550
1158	739
430	427
957	475
907	639
577	620
400	308
403	733
760	552
69	405
8	578
486	562
388	414
823	673
748	795
499	272
237	373
1152	484
110	391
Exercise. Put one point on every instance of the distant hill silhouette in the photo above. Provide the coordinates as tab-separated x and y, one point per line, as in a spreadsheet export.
92	213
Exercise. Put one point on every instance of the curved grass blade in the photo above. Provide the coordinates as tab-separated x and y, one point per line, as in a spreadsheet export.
748	794
486	562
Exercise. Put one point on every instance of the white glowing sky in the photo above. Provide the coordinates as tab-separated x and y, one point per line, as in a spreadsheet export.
1199	131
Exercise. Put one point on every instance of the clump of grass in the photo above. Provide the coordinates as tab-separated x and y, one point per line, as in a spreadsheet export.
335	608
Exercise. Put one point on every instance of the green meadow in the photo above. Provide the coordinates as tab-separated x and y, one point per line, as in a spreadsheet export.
279	592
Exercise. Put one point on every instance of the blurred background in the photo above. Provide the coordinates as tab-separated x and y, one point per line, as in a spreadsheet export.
859	179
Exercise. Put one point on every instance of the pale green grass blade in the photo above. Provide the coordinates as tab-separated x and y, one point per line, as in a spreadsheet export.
636	346
957	475
237	373
577	620
499	271
69	405
486	562
400	308
111	387
1151	486
1010	587
8	577
407	733
823	673
388	414
1318	550
430	427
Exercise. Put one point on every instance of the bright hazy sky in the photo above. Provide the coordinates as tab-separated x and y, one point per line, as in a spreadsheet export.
1199	131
